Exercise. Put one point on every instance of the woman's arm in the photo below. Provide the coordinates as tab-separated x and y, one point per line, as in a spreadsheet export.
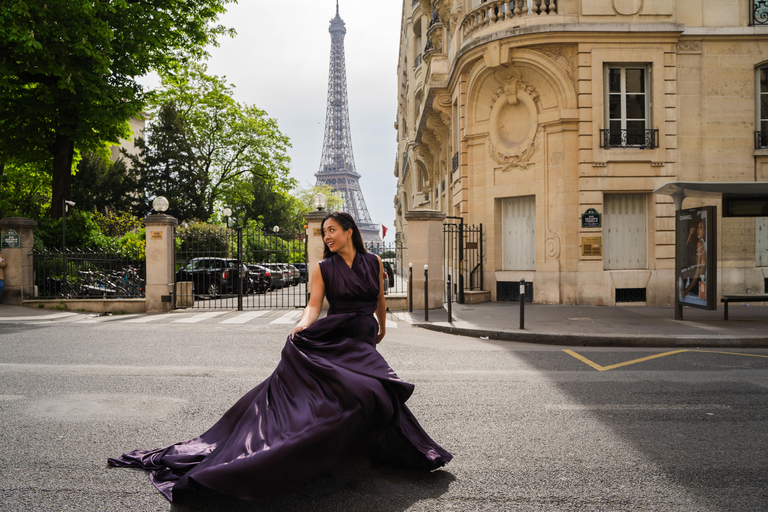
315	304
381	306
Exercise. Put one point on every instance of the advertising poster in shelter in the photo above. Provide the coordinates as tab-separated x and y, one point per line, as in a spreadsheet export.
696	257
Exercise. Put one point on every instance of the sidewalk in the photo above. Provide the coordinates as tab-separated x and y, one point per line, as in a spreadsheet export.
626	326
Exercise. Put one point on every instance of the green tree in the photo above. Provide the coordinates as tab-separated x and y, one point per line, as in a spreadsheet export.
306	194
25	190
167	165
68	70
207	147
105	186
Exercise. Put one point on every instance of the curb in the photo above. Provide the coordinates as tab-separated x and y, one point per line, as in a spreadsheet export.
604	340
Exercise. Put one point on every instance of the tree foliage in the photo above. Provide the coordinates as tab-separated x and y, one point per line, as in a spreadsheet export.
105	186
68	70
25	191
206	148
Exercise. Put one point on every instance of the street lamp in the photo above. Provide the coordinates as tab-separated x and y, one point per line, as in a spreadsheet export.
319	201
275	229
227	212
160	204
65	208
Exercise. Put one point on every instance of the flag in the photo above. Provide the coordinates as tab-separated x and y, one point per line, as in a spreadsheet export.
383	231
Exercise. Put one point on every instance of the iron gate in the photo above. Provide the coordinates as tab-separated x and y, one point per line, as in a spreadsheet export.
222	268
463	257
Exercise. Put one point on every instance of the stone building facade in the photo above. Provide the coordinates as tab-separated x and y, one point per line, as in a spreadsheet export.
525	115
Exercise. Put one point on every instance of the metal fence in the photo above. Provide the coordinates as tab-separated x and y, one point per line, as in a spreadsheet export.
240	269
394	256
87	275
462	256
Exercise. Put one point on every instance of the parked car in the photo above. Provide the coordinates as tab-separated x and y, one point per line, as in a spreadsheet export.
295	274
277	275
302	271
260	278
287	277
210	276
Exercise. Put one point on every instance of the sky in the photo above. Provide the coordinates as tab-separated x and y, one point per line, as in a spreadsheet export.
279	62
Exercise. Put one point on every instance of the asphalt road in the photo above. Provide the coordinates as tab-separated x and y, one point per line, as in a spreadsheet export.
532	428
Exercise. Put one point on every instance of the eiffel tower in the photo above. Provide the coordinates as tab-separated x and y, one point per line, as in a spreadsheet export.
337	165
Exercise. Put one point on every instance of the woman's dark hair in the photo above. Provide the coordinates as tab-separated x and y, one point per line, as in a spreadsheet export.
346	222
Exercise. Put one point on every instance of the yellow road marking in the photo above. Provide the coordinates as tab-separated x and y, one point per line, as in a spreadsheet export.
655	356
618	365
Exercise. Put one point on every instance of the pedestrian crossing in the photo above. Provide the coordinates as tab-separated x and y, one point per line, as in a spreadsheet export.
277	317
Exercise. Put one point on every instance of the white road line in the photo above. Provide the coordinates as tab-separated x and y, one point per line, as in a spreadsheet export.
150	318
291	317
108	318
35	318
245	317
198	317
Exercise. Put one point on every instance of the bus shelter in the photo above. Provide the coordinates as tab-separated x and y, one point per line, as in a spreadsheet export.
736	269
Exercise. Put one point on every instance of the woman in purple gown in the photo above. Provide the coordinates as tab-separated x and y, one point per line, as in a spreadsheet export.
331	399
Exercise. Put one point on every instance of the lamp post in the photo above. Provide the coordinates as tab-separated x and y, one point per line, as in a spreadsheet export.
227	212
320	201
65	208
160	204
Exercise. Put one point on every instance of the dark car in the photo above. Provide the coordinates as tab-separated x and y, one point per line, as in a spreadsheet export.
302	271
210	276
260	278
295	273
275	275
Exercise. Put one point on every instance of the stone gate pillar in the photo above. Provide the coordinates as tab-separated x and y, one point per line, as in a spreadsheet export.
17	239
160	261
315	244
425	247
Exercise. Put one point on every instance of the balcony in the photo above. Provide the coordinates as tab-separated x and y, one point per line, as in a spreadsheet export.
497	11
639	139
759	14
455	163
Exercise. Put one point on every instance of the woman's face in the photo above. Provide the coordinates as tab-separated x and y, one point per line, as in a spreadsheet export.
700	229
334	235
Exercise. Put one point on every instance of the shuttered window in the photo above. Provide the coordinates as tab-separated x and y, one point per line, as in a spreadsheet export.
761	241
625	232
518	224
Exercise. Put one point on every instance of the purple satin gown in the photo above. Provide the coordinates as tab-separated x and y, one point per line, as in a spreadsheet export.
331	398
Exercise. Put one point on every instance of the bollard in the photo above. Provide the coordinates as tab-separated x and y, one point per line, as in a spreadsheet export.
426	293
450	299
410	287
522	304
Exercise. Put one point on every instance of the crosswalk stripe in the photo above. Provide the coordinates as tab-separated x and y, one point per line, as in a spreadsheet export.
245	317
149	318
37	318
287	318
198	317
100	319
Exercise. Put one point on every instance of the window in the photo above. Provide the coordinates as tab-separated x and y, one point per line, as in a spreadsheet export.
518	239
628	107
761	109
625	232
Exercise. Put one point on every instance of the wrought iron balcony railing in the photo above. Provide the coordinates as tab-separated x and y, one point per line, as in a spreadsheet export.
759	12
455	163
761	140
418	61
640	139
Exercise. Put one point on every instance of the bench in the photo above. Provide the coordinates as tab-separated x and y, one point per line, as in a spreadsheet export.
741	297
